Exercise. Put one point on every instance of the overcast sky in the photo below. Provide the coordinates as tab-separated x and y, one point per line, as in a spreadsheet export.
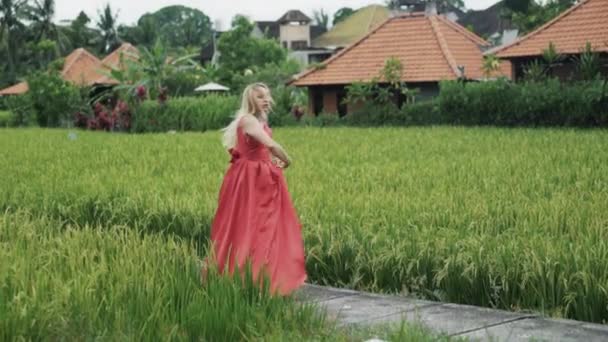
219	10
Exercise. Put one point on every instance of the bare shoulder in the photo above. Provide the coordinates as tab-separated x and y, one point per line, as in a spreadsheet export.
248	121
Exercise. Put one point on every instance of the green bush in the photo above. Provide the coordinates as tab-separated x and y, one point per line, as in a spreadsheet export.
3	104
185	114
322	120
374	113
183	82
546	103
53	99
21	109
421	113
5	118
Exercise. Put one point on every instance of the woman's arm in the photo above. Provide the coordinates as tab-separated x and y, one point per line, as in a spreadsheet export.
254	129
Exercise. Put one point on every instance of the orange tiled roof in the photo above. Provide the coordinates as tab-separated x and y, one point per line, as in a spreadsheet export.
17	89
430	49
585	22
81	67
112	61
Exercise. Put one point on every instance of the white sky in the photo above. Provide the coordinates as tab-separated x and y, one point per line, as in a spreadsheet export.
223	10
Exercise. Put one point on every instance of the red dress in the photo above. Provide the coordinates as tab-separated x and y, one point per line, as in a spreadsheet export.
255	221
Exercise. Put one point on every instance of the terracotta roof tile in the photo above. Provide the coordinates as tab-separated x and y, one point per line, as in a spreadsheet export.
430	48
81	67
112	61
17	89
585	22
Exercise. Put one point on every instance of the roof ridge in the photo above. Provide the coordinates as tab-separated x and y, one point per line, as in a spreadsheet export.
542	28
79	52
341	52
67	67
468	34
443	45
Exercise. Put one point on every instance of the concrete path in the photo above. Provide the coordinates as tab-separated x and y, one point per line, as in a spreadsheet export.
475	323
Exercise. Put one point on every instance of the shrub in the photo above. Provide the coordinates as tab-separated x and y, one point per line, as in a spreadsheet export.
21	109
53	99
5	118
185	114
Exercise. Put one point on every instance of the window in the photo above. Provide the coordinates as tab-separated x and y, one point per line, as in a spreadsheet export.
299	45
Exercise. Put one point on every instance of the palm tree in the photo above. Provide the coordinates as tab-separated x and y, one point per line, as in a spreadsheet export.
490	65
11	26
41	15
321	18
107	24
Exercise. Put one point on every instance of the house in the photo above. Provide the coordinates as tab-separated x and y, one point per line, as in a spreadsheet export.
491	24
116	60
430	47
83	69
295	32
450	11
365	19
585	22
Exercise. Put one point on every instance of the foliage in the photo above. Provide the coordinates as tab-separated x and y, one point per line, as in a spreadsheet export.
239	51
321	18
22	113
107	23
588	63
379	101
342	14
6	118
274	75
113	116
528	15
154	68
534	103
209	112
53	99
177	26
478	202
491	64
12	31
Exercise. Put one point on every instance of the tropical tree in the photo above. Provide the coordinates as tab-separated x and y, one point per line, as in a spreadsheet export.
239	51
178	26
321	18
150	69
342	14
107	24
41	15
491	64
80	34
12	14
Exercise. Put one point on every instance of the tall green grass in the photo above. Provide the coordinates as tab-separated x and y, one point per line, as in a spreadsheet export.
65	282
507	218
90	283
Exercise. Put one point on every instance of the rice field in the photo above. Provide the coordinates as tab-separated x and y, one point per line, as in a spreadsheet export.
507	218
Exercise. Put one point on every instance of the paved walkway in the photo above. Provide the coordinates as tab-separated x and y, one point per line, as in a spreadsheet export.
352	307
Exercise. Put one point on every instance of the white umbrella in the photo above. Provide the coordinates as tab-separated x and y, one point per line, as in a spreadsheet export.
211	86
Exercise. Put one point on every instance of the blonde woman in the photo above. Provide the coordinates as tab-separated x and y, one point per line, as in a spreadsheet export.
255	223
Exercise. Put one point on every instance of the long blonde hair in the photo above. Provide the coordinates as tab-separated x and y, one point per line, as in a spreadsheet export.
248	107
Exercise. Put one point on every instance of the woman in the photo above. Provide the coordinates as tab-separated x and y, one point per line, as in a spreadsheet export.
255	223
